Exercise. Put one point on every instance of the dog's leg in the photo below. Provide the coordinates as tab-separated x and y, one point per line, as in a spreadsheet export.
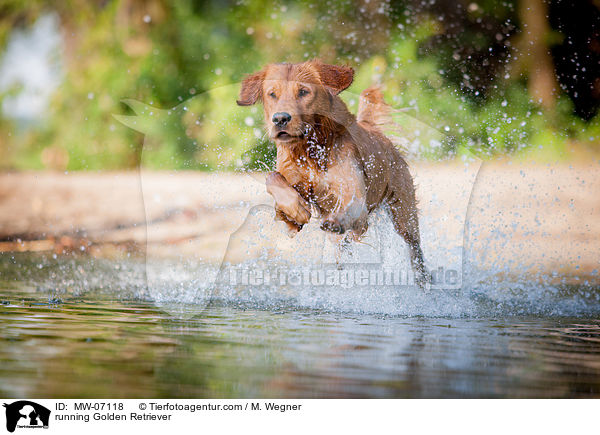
347	208
406	223
290	207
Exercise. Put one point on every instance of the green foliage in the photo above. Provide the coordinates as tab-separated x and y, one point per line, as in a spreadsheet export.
261	157
182	62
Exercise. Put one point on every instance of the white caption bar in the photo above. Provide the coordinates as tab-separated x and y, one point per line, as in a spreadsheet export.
41	416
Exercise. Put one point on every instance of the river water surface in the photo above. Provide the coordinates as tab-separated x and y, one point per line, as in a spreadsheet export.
85	328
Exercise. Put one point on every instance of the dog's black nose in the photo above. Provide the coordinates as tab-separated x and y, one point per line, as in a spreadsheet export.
281	118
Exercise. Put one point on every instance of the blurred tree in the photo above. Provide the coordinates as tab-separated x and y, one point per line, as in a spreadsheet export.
452	61
17	13
473	43
534	58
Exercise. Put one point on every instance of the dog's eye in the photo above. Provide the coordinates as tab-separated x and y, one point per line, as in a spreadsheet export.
303	92
272	95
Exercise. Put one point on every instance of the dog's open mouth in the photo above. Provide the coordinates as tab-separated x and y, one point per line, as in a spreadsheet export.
285	136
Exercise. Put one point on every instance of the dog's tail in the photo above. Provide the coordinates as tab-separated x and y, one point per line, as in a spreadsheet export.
372	108
375	113
410	135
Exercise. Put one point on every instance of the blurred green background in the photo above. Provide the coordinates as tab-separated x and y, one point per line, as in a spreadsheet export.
518	78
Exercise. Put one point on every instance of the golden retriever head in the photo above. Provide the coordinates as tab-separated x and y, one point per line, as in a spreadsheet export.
297	98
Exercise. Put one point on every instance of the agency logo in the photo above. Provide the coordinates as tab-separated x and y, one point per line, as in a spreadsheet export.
24	414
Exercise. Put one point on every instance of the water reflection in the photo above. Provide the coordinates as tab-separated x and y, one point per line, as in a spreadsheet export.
91	346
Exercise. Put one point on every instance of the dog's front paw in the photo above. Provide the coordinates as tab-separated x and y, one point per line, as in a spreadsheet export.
332	226
292	227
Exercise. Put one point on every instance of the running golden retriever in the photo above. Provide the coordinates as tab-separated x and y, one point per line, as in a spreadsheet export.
341	166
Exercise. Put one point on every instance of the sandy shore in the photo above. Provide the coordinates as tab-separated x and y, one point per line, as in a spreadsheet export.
541	218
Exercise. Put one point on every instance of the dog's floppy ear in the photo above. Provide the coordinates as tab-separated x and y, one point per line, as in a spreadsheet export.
251	90
335	77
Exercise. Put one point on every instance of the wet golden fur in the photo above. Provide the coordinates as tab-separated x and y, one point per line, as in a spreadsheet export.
329	161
